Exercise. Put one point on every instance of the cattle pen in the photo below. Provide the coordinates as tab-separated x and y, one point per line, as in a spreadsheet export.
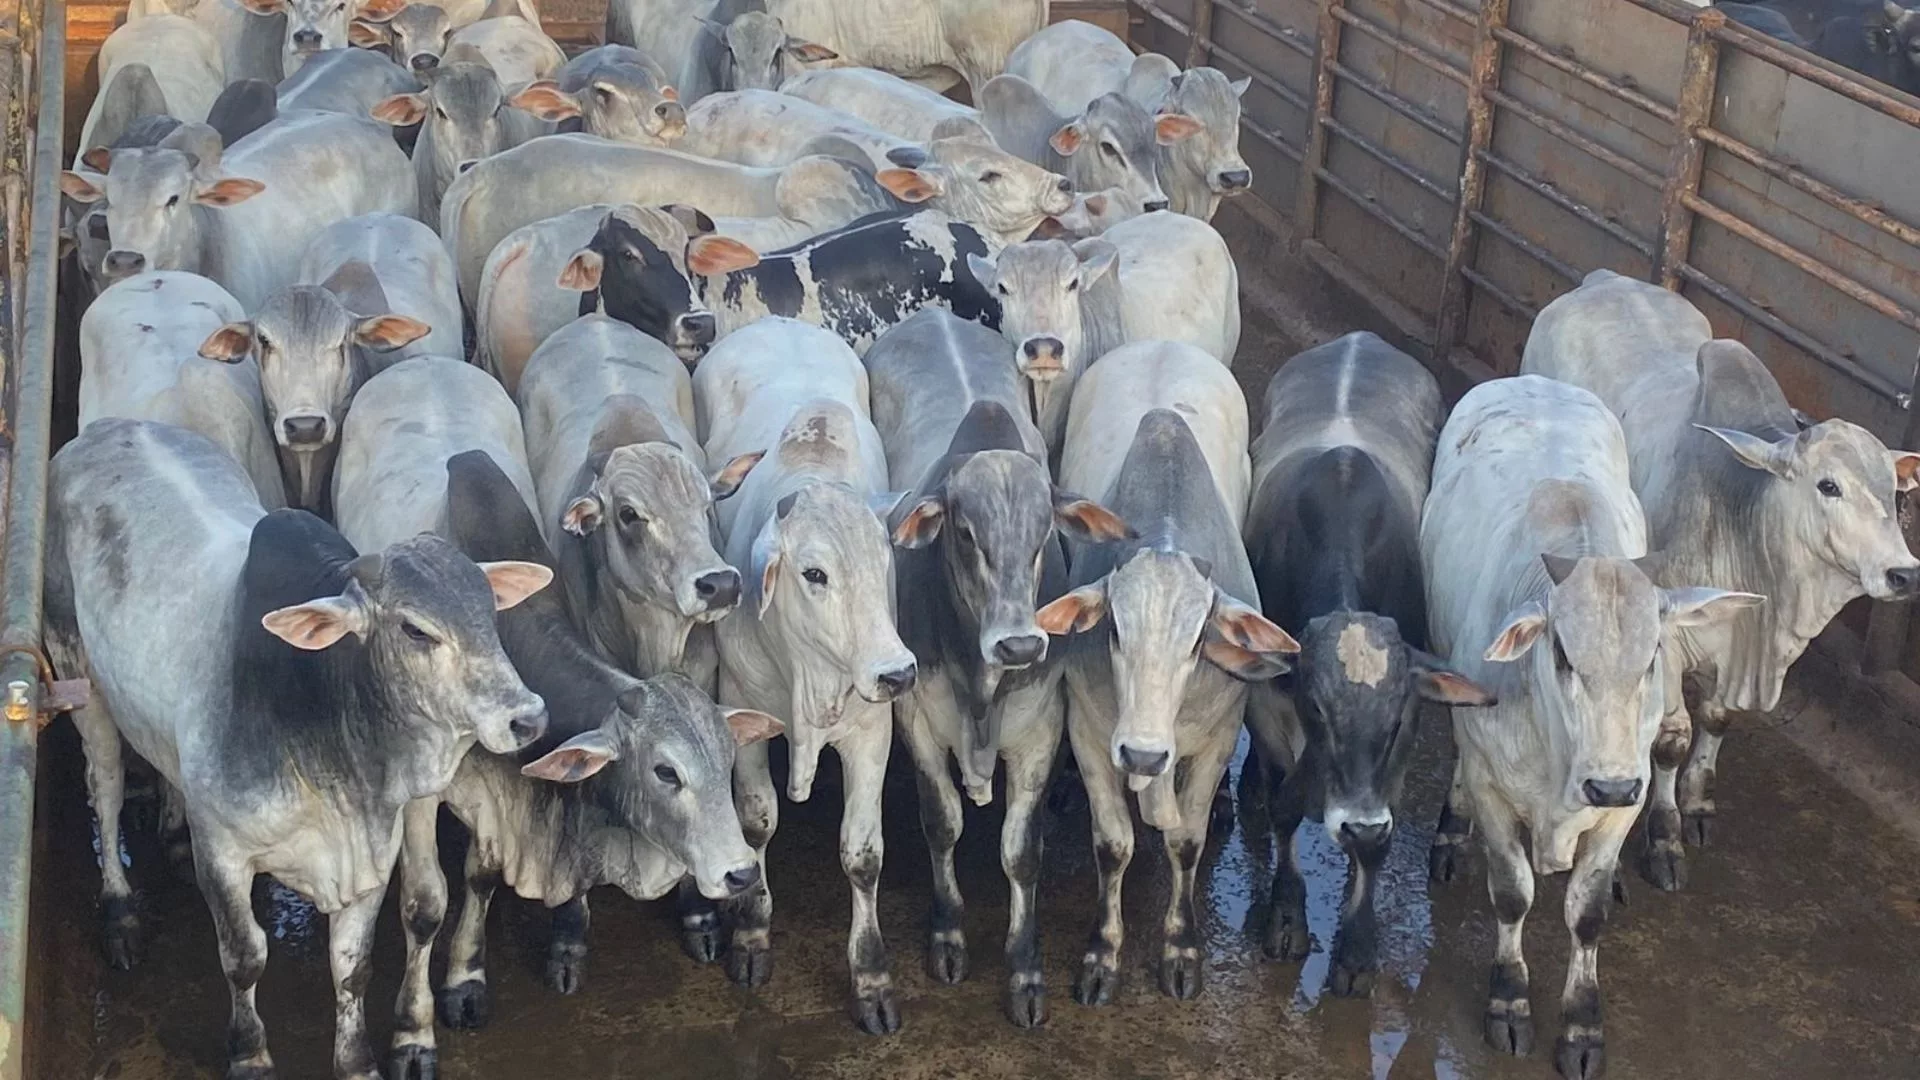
1432	170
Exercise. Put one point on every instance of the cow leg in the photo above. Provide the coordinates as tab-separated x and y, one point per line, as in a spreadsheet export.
1183	953
228	888
863	759
1580	1052
174	833
941	819
1356	948
350	950
567	948
465	1004
1664	863
423	907
1509	1021
1112	851
1278	742
699	924
106	787
1029	767
1448	858
1286	937
1696	783
1220	813
750	953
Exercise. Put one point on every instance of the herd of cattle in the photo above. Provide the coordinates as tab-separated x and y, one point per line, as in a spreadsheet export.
832	405
1877	38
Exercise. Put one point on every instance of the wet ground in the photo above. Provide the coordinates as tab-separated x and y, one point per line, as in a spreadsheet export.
1795	953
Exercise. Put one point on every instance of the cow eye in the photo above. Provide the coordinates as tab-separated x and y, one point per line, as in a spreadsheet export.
629	517
1074	285
173	201
814	575
417	635
991	176
1828	488
1110	150
630	255
439	112
264	343
666	775
1002	289
97	227
1560	657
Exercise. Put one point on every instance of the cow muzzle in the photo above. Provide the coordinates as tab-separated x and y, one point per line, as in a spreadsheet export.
1058	200
1233	181
892	683
122	264
1043	358
423	61
305	431
306	41
1142	759
1903	582
1015	651
694	328
1610	793
716	592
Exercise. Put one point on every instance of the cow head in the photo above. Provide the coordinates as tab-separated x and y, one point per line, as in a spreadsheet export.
1115	144
622	102
316	25
424	613
1090	215
414	36
153	195
461	109
660	767
760	53
640	261
1040	285
1895	34
965	175
1358	687
1204	101
1597	660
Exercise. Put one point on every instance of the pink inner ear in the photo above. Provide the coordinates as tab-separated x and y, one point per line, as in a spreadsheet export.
907	185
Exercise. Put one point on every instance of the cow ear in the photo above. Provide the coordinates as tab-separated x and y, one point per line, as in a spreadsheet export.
1753	451
1906	469
514	581
230	344
1515	636
582	272
379	10
910	185
694	219
545	100
1245	665
1238	624
362	34
1088	521
728	480
1075	613
401	110
984	270
763	565
1434	682
1687	607
710	255
751	726
389	332
809	53
79	189
668	93
317	624
1097	257
576	759
582	515
99	159
231	191
1170	128
1240	85
922	526
1066	141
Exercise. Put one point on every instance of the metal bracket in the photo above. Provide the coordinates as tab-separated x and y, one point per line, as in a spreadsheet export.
56	695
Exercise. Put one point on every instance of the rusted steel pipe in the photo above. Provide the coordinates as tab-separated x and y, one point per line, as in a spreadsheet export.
1398	104
1585	74
1372	206
1845	83
1573	138
1385	157
1282	146
1423	57
1541	255
1700	75
1568	203
1326	65
1861	210
1202	30
1464	14
1507	300
1260	78
20	588
1481	92
1790	333
1272	29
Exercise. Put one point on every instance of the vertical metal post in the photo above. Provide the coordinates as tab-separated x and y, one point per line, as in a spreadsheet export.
1483	76
31	372
1693	111
1199	49
1326	53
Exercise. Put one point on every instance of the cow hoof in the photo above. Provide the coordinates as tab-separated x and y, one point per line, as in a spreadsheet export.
120	932
700	938
1098	977
467	1006
1351	980
566	968
750	965
1180	973
1287	939
1580	1057
1697	827
877	1012
413	1063
947	957
1027	1000
1509	1031
1445	862
1665	866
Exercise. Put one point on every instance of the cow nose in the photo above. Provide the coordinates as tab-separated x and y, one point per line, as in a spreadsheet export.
1020	651
898	681
1611	793
1144	762
1904	581
668	110
1365	835
424	61
1236	179
528	727
119	263
720	589
1042	348
742	879
305	430
697	327
306	40
1156	204
1065	185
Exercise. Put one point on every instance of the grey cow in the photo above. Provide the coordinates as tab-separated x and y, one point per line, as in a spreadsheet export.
742	47
1114	143
978	525
464	119
1737	496
297	694
616	92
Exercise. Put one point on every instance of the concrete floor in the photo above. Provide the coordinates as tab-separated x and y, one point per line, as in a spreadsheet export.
1794	954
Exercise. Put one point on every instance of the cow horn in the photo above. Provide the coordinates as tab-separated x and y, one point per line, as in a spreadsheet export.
201	143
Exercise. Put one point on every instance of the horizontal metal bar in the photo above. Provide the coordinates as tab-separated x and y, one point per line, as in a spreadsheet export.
1282	90
1539	254
1566	134
1399	104
1534	49
1780	170
1464	14
1385	157
1507	300
1800	260
1273	139
1429	60
1792	335
1372	206
1283	35
1849	85
1568	203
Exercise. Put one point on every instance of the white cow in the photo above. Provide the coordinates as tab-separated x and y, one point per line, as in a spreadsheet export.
885	101
928	41
173	55
381	263
767	128
1073	62
139	358
515	47
814	636
1738	496
1529	542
